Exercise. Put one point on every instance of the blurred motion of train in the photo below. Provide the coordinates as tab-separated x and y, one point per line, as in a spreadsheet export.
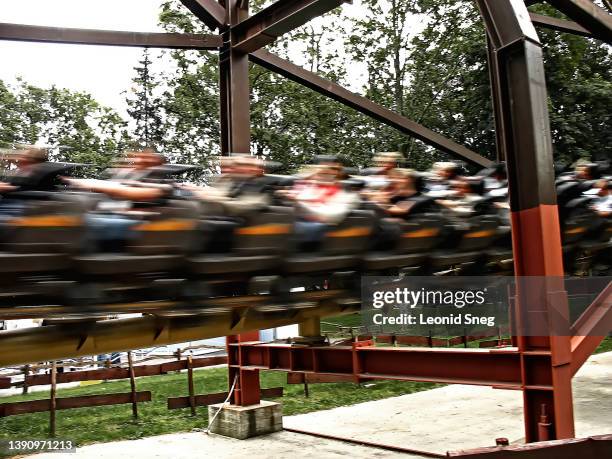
246	232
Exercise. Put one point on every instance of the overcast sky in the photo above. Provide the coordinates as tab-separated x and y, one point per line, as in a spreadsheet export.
103	71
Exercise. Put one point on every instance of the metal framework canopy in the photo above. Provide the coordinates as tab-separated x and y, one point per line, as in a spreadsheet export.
541	367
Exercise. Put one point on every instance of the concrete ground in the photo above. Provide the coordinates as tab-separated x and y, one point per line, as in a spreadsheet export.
448	418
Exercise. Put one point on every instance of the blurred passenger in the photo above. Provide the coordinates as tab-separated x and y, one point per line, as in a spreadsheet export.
109	228
31	174
378	177
495	180
128	183
586	170
402	199
241	190
603	203
321	202
467	193
442	176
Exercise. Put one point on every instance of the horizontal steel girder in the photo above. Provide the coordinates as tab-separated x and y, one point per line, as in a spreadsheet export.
587	14
74	340
24	32
210	12
365	106
277	19
559	25
500	368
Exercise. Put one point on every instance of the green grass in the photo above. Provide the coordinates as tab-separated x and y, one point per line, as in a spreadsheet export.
111	423
605	346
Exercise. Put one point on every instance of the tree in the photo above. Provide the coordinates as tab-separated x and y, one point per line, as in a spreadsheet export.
145	106
71	124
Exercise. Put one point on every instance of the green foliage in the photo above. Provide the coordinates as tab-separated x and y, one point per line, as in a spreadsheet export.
72	124
579	83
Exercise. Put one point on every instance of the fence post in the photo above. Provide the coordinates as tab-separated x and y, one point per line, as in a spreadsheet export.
52	401
190	385
26	372
133	386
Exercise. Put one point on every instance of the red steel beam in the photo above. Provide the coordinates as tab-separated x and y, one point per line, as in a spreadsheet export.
591	328
277	19
589	15
24	32
365	106
210	12
523	119
560	25
599	446
500	368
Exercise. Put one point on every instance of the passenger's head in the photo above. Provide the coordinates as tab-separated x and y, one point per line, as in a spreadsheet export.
247	166
405	180
387	161
144	159
603	187
469	185
329	168
31	156
586	170
226	164
446	170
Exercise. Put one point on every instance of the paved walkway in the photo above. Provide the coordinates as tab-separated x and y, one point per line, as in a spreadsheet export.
448	418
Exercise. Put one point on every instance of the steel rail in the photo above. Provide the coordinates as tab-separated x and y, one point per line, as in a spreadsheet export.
168	307
56	342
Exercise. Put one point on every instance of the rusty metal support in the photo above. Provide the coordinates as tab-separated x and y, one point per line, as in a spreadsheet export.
589	15
365	106
277	19
560	25
591	328
210	12
24	32
500	368
234	87
247	390
535	222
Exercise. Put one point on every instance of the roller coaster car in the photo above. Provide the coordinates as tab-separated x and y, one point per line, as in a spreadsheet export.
417	238
161	242
468	245
42	238
585	235
341	249
257	247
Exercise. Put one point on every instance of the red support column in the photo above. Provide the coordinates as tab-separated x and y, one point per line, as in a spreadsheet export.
522	117
246	386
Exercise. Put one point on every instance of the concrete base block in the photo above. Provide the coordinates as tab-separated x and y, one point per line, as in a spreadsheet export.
243	422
